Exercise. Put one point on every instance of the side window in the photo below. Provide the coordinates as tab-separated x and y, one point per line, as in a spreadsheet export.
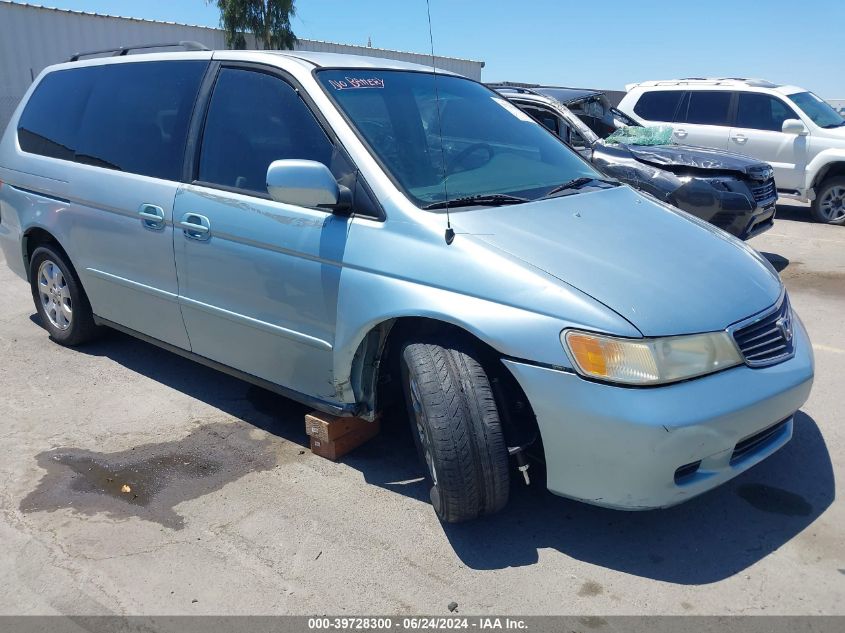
137	117
547	119
706	108
49	125
254	119
130	117
658	105
577	141
758	111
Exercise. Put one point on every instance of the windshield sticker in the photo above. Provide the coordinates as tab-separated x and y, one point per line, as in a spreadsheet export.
507	105
357	82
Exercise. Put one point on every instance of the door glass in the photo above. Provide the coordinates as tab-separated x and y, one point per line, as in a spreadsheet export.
659	105
254	119
762	112
577	141
546	118
706	108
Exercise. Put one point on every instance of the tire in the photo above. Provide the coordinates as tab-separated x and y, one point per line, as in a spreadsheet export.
457	430
59	298
829	205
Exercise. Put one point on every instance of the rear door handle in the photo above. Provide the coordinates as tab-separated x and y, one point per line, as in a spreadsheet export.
195	226
681	133
739	138
152	217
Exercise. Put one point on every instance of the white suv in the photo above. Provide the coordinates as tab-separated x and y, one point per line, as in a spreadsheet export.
795	131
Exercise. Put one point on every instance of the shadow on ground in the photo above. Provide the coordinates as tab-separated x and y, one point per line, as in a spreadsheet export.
704	540
793	212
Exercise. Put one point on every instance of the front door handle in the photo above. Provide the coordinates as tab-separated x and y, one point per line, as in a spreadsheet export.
739	138
152	217
680	133
195	226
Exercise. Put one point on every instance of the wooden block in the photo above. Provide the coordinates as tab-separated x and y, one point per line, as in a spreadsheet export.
328	428
340	446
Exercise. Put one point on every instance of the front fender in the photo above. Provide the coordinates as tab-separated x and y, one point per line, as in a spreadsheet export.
514	308
821	163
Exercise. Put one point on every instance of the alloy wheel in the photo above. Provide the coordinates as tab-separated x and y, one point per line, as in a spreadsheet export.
832	204
55	295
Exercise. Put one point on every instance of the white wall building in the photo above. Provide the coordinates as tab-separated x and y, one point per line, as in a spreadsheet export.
33	37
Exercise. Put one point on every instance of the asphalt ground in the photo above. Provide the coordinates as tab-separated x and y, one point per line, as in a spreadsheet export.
230	513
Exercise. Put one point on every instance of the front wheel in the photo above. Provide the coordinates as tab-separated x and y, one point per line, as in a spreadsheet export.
456	428
829	205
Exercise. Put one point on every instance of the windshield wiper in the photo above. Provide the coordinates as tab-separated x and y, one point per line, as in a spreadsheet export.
489	200
578	183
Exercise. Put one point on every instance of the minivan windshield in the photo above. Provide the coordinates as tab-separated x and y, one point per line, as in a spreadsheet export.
481	147
820	111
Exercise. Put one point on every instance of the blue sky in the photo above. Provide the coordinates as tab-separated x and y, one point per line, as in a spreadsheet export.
596	44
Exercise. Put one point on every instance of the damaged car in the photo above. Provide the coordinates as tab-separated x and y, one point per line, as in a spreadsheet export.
377	240
734	192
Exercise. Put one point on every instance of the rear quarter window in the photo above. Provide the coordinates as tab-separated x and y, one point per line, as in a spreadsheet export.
49	125
658	105
129	117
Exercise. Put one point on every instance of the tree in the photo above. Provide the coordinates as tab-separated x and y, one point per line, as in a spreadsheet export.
268	20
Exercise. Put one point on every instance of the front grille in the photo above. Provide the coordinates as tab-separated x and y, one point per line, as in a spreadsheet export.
765	191
753	442
767	339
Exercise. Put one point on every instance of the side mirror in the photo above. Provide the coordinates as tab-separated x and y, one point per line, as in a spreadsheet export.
306	183
794	126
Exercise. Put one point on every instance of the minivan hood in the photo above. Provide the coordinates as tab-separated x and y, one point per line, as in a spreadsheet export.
696	157
663	270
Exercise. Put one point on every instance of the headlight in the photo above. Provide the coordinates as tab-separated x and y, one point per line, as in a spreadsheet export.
649	361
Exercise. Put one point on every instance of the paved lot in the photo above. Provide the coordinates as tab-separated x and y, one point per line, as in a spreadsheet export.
234	515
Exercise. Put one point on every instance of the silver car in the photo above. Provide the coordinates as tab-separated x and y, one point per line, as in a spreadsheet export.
353	232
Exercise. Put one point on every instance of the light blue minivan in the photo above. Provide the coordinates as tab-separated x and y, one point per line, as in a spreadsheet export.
353	232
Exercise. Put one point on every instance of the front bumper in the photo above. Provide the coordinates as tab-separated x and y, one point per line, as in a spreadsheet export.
761	221
623	447
735	211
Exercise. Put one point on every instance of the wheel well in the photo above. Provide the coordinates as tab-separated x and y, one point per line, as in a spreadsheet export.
36	237
379	379
829	171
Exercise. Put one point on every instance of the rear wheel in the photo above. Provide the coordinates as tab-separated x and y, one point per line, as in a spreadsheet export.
829	205
59	298
457	429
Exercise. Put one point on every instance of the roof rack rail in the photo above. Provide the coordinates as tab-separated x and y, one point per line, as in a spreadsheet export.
509	86
188	45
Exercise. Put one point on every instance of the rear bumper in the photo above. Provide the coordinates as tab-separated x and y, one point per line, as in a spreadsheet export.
10	244
10	233
627	448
